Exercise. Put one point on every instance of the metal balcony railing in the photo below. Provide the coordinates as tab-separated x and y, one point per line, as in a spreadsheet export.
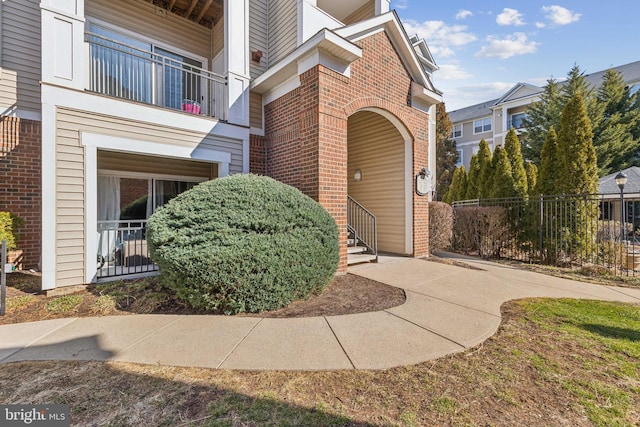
127	72
122	249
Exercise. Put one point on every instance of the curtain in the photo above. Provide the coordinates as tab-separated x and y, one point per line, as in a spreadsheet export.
108	210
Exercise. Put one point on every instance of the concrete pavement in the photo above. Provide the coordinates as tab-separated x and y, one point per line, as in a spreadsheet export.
448	309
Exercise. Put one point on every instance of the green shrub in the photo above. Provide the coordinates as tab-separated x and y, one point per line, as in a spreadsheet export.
243	243
6	230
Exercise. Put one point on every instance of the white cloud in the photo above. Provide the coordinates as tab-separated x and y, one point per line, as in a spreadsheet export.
400	4
442	51
463	14
558	15
438	35
512	45
464	96
451	72
540	25
509	17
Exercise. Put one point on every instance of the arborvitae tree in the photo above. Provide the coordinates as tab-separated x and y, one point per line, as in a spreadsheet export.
458	187
446	152
514	154
577	165
548	165
502	180
473	177
613	138
532	177
541	116
485	170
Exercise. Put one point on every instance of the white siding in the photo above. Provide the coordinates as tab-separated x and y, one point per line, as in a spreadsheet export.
283	29
140	17
258	35
365	12
70	179
376	148
21	57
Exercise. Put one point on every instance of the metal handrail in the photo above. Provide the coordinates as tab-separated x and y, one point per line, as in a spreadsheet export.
362	223
128	72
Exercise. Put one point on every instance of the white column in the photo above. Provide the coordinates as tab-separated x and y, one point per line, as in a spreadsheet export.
236	48
63	59
382	6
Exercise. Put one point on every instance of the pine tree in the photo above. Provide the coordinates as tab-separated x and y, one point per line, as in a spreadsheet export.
458	187
576	156
446	152
548	165
485	170
512	148
541	116
532	177
473	178
502	180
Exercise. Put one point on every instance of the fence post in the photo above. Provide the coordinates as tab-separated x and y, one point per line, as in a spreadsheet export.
540	227
3	278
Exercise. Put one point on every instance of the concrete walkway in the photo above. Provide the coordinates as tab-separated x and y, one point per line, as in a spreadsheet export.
448	309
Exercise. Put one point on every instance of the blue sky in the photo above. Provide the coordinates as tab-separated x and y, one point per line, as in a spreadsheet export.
485	47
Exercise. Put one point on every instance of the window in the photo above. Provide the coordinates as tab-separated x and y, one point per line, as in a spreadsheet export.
460	160
482	125
456	131
516	121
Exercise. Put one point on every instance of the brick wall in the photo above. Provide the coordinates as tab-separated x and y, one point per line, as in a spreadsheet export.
306	130
257	154
20	182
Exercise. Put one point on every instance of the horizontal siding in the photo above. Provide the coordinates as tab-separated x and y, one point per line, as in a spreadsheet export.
218	38
258	35
283	29
376	148
365	12
140	17
70	179
21	55
255	110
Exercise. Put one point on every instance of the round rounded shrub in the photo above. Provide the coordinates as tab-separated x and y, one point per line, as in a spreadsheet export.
243	243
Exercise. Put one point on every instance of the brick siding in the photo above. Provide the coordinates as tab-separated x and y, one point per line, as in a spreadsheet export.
21	183
257	154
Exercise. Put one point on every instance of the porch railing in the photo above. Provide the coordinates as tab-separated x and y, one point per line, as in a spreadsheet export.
122	249
127	72
362	225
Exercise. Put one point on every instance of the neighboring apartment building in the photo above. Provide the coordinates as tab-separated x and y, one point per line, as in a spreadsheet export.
491	120
109	109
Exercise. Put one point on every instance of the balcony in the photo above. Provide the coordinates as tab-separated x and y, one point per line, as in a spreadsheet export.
153	77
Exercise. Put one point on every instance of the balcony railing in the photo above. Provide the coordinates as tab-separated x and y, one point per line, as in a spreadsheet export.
122	249
127	72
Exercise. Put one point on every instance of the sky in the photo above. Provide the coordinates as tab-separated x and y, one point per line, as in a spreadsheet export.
485	47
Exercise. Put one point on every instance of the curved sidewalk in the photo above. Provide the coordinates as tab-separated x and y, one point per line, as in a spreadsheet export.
448	309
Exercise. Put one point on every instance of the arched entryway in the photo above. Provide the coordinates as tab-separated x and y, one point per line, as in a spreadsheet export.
379	175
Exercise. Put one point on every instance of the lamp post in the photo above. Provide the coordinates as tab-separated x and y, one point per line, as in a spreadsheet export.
621	180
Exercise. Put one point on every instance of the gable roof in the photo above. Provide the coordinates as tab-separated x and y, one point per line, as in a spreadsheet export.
482	109
607	184
519	91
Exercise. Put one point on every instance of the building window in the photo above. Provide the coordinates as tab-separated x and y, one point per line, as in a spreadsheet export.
460	160
456	131
516	121
482	125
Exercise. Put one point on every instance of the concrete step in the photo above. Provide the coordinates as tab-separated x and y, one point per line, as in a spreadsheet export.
359	258
356	249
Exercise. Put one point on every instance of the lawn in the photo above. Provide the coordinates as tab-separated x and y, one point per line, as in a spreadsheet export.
552	362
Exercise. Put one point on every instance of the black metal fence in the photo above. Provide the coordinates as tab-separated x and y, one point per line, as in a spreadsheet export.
599	231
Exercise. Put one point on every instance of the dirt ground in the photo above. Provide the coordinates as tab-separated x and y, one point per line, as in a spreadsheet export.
347	294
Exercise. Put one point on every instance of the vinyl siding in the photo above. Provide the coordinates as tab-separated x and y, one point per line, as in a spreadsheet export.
283	29
70	190
255	110
140	17
218	38
114	161
376	148
258	35
21	55
365	12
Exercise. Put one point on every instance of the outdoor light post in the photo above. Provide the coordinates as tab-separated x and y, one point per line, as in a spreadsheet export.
621	180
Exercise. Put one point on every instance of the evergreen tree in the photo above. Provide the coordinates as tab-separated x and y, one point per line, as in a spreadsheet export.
458	187
473	178
532	177
576	156
541	116
512	148
446	152
613	138
548	165
484	170
503	184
